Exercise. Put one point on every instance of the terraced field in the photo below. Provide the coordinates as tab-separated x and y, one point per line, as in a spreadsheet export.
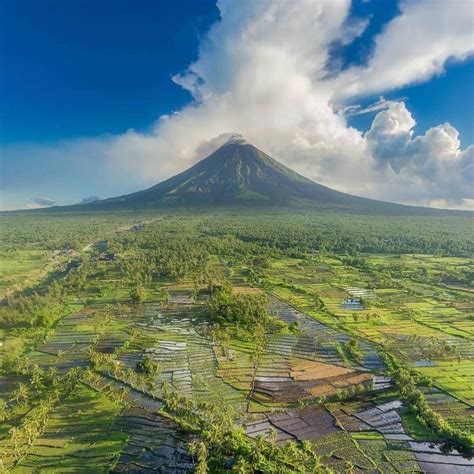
430	327
88	391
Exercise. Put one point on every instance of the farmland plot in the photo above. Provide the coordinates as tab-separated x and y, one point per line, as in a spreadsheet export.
316	341
422	325
79	436
153	444
186	359
67	347
318	378
370	423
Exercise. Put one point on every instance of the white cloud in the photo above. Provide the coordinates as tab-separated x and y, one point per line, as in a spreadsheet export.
260	73
263	71
413	47
433	162
39	202
357	109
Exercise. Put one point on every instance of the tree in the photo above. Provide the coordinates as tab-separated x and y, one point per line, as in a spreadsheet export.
353	349
36	377
3	410
202	453
148	366
246	310
21	394
138	294
192	449
164	298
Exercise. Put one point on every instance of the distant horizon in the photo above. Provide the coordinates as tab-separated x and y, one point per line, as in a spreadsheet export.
101	101
215	144
221	143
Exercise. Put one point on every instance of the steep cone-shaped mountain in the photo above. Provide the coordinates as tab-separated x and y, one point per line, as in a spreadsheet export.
237	172
240	174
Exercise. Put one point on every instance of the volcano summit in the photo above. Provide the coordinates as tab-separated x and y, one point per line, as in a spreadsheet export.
238	173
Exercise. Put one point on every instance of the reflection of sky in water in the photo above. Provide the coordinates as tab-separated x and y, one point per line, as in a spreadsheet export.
322	337
351	304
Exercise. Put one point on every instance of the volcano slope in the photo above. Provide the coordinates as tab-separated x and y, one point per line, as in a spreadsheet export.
239	174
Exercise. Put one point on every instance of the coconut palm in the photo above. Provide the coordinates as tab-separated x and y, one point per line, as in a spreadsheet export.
3	410
15	436
21	394
192	449
36	377
202	454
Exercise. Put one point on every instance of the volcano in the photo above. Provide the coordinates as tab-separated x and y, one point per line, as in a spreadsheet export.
238	173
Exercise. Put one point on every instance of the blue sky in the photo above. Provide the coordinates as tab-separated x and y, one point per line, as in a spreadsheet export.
88	90
79	68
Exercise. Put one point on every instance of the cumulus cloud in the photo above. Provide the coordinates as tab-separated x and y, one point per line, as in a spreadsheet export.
433	161
260	73
265	71
39	202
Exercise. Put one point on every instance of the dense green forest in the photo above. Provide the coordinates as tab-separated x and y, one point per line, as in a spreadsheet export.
332	232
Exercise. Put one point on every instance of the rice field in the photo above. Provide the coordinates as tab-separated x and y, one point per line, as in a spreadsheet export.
321	379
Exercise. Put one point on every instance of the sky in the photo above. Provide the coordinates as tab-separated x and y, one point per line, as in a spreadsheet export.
104	97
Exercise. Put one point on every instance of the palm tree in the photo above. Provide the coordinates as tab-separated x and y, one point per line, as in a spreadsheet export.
192	449
256	450
3	455
36	377
30	430
52	376
243	466
141	382
21	394
202	453
165	298
15	437
3	410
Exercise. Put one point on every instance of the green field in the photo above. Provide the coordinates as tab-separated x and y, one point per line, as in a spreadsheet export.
21	268
236	340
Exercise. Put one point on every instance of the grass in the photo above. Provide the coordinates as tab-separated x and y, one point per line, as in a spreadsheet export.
22	268
370	435
80	437
415	429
